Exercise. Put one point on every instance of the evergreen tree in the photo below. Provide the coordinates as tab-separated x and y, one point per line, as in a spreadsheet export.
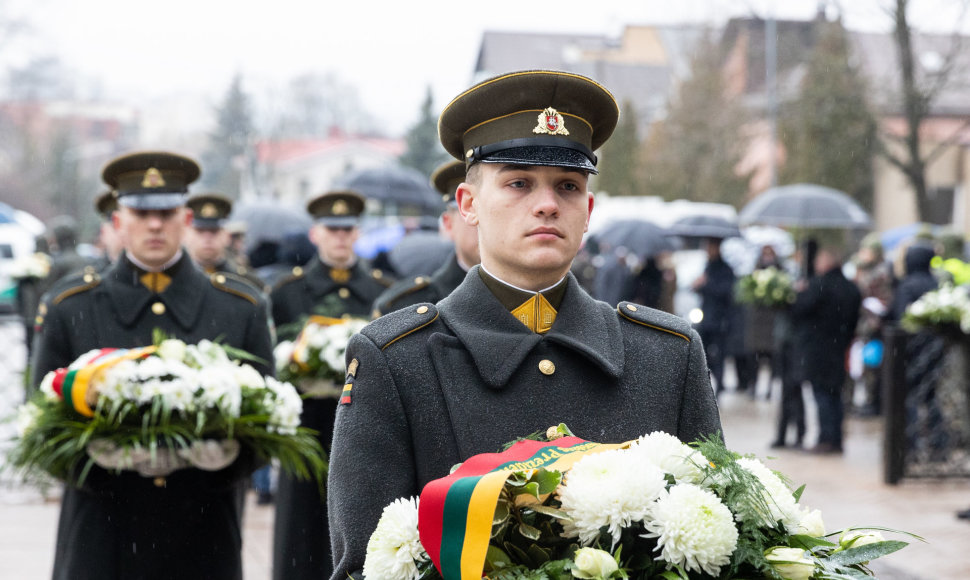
618	165
828	129
227	157
693	152
424	151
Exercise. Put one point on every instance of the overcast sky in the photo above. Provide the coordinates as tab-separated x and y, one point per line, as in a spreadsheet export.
390	50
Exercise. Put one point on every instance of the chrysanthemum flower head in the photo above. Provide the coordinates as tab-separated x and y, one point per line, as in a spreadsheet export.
395	547
610	489
670	455
694	529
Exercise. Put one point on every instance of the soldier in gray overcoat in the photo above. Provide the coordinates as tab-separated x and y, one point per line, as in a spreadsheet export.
519	346
187	524
336	283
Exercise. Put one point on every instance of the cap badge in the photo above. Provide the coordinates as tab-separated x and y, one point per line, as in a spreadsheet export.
340	207
551	123
153	178
209	211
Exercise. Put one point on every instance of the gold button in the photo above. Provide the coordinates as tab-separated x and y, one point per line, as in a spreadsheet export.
419	280
87	278
343	293
158	308
297	271
631	308
378	274
469	153
159	482
220	279
422	309
546	367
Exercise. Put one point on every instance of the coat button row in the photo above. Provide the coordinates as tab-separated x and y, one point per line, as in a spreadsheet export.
158	308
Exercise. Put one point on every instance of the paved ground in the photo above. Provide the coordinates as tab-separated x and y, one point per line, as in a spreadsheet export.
848	489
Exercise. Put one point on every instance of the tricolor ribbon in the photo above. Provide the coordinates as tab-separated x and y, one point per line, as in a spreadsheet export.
455	512
73	383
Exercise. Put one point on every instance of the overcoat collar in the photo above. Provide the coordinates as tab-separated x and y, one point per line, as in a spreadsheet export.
498	343
449	276
182	299
320	283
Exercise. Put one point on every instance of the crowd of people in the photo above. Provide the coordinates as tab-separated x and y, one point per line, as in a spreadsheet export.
501	339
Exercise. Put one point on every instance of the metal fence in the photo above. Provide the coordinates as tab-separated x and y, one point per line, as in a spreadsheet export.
926	380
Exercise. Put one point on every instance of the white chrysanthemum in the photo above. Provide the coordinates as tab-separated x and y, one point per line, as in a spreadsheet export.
27	416
609	489
780	501
246	376
670	455
171	349
47	387
811	523
285	407
282	354
394	549
694	529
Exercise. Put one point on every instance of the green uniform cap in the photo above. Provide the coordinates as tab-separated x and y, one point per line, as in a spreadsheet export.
209	210
151	179
446	178
105	204
537	117
339	209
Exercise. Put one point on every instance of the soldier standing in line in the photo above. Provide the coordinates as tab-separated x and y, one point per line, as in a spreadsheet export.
335	283
519	345
446	179
106	204
207	239
189	523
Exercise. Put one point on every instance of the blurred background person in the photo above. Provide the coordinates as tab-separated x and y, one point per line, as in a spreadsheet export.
716	290
207	240
108	239
824	319
612	279
873	277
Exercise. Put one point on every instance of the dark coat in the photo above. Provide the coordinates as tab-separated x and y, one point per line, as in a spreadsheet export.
435	385
421	289
312	290
125	526
301	546
917	281
717	298
823	320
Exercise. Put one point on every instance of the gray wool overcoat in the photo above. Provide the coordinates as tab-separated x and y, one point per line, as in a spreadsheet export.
434	385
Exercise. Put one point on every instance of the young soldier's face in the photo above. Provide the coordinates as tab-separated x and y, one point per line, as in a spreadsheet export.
152	236
334	244
206	246
531	220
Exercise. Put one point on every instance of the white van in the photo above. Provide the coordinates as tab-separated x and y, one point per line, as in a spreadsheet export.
16	244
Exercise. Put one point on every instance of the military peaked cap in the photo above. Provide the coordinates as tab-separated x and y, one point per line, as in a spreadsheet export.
151	179
340	209
537	117
209	210
105	204
446	178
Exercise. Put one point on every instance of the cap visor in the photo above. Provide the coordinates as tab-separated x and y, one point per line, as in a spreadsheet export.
338	222
544	156
152	200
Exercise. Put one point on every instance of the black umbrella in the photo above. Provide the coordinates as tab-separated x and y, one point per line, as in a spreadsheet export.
805	205
704	226
640	237
394	185
269	221
419	254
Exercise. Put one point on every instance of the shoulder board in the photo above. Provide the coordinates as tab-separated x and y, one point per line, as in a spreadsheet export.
383	280
392	327
655	319
295	274
75	285
232	284
399	290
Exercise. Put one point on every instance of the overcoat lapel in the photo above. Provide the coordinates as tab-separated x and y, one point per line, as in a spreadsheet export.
498	343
